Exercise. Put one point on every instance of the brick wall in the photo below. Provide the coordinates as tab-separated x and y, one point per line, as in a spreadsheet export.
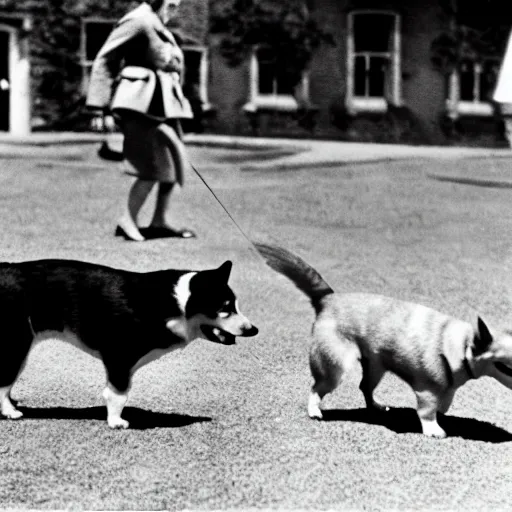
422	117
193	18
56	75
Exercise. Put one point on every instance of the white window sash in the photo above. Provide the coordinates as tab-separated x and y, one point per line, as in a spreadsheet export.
366	103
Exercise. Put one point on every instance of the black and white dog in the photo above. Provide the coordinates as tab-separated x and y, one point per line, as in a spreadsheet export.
127	319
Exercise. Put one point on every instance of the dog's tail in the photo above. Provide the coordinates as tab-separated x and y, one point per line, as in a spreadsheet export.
304	276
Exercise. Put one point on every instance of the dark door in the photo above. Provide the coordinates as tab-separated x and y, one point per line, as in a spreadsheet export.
4	81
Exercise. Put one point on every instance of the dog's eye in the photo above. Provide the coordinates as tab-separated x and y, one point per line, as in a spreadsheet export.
226	310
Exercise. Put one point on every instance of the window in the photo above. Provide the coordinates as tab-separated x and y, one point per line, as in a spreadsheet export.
272	79
271	87
93	34
195	81
471	87
373	61
476	81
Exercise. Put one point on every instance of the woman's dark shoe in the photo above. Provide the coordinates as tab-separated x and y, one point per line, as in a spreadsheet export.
152	232
122	233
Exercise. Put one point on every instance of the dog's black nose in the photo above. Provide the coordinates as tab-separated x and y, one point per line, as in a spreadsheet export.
250	331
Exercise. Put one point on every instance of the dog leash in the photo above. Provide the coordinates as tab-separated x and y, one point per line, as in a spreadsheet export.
108	154
251	245
242	232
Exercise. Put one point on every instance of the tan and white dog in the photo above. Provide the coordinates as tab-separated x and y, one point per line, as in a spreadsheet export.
432	352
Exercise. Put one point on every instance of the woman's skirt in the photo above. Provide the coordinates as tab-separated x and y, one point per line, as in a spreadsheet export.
153	148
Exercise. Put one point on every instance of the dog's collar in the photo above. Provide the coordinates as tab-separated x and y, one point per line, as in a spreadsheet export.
467	365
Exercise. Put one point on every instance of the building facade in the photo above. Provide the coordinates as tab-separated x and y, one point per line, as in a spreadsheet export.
378	82
46	52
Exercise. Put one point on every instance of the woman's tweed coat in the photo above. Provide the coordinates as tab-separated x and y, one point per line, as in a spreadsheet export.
137	75
138	52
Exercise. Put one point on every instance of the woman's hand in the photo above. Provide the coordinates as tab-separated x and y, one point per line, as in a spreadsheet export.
103	123
174	58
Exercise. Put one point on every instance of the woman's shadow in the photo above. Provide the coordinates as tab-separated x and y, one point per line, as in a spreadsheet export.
139	419
405	420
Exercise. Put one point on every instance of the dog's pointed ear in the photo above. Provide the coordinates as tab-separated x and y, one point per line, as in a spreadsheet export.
483	337
224	270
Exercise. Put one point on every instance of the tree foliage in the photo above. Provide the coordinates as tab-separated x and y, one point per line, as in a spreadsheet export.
284	26
57	25
476	31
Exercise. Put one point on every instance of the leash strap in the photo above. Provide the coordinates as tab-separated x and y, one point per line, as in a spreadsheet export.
109	155
251	243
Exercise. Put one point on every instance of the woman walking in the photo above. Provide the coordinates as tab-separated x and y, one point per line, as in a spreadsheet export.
136	76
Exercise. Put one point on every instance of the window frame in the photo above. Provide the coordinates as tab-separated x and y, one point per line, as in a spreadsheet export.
204	72
476	107
455	107
86	63
274	101
356	103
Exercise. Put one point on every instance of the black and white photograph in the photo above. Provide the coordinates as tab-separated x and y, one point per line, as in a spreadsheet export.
255	255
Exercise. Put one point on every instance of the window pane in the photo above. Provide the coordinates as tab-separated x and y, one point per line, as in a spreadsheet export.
96	34
467	81
192	66
371	75
267	70
274	77
284	82
488	80
266	78
360	76
372	32
377	76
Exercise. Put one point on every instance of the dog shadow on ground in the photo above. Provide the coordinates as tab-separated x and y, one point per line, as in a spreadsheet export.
405	420
139	419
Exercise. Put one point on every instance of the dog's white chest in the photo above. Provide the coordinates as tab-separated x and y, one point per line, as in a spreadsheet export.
179	327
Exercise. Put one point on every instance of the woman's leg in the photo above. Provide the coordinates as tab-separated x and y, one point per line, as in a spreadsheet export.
175	156
160	226
136	198
163	205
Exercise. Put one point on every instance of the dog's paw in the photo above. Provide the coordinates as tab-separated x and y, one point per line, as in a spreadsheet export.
315	413
118	423
12	414
432	429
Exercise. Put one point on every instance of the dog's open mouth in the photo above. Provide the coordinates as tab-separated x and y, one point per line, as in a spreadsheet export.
503	368
217	335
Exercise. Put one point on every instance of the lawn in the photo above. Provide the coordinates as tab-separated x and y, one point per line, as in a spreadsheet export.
219	427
